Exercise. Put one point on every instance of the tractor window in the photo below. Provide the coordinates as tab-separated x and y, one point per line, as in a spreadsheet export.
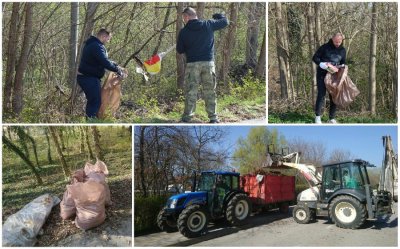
206	182
331	181
235	182
351	176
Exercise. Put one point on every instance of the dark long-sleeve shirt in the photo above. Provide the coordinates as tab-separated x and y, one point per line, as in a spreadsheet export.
196	39
95	60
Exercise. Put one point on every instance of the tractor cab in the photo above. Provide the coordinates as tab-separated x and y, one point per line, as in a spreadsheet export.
349	175
218	185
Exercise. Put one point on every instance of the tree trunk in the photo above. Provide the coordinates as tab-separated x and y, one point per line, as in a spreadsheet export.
48	147
253	28
229	43
260	70
11	58
97	148
141	161
17	151
372	60
91	156
61	136
34	147
317	15
155	51
86	32
53	132
18	91
282	52
82	140
73	43
200	9
311	50
180	59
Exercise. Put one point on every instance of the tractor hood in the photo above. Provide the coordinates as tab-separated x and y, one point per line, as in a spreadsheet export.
182	200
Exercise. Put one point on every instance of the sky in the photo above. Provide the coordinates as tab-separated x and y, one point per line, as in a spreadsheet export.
364	142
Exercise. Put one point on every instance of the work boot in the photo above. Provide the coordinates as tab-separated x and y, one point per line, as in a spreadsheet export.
332	121
214	121
185	120
318	120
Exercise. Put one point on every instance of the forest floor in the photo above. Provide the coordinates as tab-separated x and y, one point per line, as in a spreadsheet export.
19	188
303	112
228	109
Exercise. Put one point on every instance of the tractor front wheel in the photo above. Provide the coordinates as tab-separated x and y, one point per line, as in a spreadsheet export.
193	221
166	223
238	209
347	212
302	214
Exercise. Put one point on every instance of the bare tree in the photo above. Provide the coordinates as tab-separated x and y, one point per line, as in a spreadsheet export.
18	91
372	60
19	152
180	59
97	147
73	43
11	57
229	42
88	143
253	28
283	53
200	9
311	49
54	134
49	158
260	69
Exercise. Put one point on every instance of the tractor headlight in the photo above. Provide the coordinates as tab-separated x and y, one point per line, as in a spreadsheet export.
173	203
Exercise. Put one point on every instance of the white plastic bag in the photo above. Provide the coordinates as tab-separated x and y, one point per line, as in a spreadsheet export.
21	228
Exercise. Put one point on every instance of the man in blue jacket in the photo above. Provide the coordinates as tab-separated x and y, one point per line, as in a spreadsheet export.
328	57
196	41
94	62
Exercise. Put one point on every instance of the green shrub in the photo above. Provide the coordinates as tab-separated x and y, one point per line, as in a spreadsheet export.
146	211
252	88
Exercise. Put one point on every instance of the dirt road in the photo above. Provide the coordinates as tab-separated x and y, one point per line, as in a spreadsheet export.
275	229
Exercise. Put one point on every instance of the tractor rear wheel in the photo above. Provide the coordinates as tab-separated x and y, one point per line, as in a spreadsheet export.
193	221
302	214
238	209
166	224
347	212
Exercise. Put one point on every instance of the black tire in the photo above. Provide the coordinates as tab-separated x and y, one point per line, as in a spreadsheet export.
193	221
302	214
238	209
347	212
166	224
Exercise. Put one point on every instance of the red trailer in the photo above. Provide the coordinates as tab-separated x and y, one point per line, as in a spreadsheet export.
267	191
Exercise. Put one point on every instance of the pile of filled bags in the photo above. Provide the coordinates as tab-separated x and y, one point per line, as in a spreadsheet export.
87	196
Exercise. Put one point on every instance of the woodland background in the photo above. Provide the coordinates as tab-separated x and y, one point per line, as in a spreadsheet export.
42	44
297	30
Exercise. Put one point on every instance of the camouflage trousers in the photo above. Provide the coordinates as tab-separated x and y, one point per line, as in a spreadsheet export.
196	73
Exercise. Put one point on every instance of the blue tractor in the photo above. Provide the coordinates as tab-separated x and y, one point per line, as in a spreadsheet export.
217	195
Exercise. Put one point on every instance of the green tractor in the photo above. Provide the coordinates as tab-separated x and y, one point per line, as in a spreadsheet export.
217	195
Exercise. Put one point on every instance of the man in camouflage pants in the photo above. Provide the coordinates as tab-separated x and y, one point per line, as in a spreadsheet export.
196	41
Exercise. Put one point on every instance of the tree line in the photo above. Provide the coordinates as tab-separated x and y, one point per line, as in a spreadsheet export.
23	143
43	41
297	30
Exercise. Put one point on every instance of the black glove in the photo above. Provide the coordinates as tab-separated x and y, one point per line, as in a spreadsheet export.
218	16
